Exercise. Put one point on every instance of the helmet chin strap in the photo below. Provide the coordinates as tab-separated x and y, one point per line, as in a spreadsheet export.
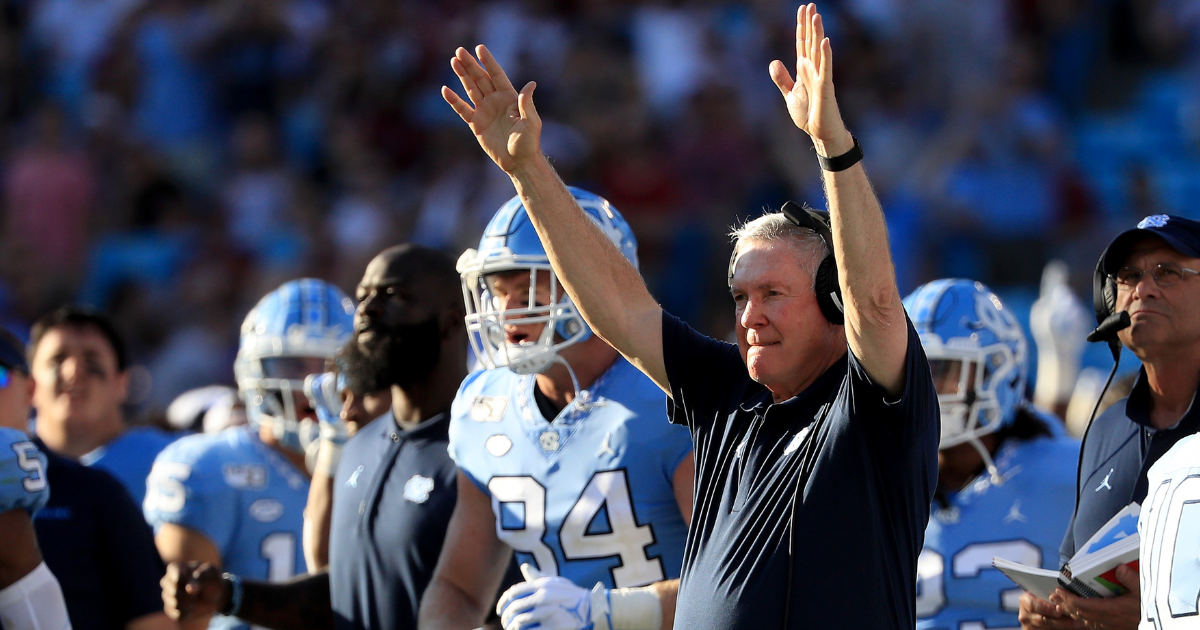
993	473
582	397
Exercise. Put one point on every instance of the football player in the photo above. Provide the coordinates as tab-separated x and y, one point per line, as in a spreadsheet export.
30	596
1168	523
1006	471
564	452
236	499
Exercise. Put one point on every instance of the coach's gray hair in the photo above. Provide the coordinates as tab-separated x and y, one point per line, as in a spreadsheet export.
775	227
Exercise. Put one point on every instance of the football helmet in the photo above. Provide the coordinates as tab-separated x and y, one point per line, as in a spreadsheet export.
288	335
510	243
972	339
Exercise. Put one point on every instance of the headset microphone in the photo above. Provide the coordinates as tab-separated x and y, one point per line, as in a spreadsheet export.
1108	329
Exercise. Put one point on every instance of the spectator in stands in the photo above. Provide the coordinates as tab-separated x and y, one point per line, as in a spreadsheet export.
80	371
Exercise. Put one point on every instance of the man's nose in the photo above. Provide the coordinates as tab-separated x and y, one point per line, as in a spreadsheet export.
752	315
68	370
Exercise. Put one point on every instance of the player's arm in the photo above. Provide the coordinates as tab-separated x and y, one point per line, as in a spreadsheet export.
608	290
30	596
177	543
471	566
318	512
194	590
875	323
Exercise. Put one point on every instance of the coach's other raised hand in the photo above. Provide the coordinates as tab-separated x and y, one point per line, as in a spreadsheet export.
504	121
809	96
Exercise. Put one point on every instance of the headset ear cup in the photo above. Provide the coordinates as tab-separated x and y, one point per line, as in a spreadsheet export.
1104	292
829	292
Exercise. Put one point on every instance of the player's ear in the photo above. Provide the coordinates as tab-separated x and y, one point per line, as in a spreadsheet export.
122	384
29	385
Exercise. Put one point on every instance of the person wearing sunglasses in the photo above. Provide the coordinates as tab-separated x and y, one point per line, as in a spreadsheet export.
30	596
1151	272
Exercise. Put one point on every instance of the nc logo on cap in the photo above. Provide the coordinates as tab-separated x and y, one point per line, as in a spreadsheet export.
1153	221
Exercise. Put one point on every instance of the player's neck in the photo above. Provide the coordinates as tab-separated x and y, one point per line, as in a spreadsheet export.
267	436
589	359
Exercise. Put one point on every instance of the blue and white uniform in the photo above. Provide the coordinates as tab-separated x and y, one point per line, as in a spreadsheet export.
23	484
588	496
129	456
239	493
1170	551
1021	520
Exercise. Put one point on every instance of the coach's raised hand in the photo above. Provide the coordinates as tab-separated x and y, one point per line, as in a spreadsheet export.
504	121
809	96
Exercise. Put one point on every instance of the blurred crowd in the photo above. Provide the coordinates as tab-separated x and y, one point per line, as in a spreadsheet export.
170	161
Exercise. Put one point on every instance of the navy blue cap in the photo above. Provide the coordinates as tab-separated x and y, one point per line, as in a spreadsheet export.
12	352
1183	235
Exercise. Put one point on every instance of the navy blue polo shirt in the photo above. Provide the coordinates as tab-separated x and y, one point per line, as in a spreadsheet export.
1120	446
96	543
393	496
861	522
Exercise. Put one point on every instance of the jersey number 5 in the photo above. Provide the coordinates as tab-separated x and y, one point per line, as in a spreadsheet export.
608	490
36	481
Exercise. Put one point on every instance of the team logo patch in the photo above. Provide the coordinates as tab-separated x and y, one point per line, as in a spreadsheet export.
498	445
266	510
488	408
549	441
418	488
796	441
245	476
1153	221
352	482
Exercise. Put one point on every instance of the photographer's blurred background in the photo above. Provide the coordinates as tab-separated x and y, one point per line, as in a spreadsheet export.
170	161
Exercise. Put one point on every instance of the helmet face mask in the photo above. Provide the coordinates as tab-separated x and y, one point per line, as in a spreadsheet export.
510	248
490	315
977	356
290	333
969	390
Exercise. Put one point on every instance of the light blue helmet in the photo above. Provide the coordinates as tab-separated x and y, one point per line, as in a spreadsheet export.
967	331
510	243
289	334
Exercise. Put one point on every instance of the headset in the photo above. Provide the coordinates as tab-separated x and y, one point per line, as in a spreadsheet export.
1109	322
825	280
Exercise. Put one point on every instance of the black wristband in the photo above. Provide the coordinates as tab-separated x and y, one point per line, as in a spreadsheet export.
843	161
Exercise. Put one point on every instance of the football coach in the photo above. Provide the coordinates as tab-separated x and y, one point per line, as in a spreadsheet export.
816	438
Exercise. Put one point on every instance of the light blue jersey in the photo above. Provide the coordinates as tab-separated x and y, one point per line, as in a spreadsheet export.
129	457
246	498
588	497
23	484
1170	550
1022	519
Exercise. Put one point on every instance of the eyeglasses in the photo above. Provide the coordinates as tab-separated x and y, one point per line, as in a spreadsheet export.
5	376
1165	275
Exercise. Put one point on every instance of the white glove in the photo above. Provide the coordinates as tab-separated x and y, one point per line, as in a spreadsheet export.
552	603
1060	323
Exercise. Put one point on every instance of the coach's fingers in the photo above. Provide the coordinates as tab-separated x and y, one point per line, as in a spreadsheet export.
465	78
461	107
525	104
782	78
498	76
1036	613
481	77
